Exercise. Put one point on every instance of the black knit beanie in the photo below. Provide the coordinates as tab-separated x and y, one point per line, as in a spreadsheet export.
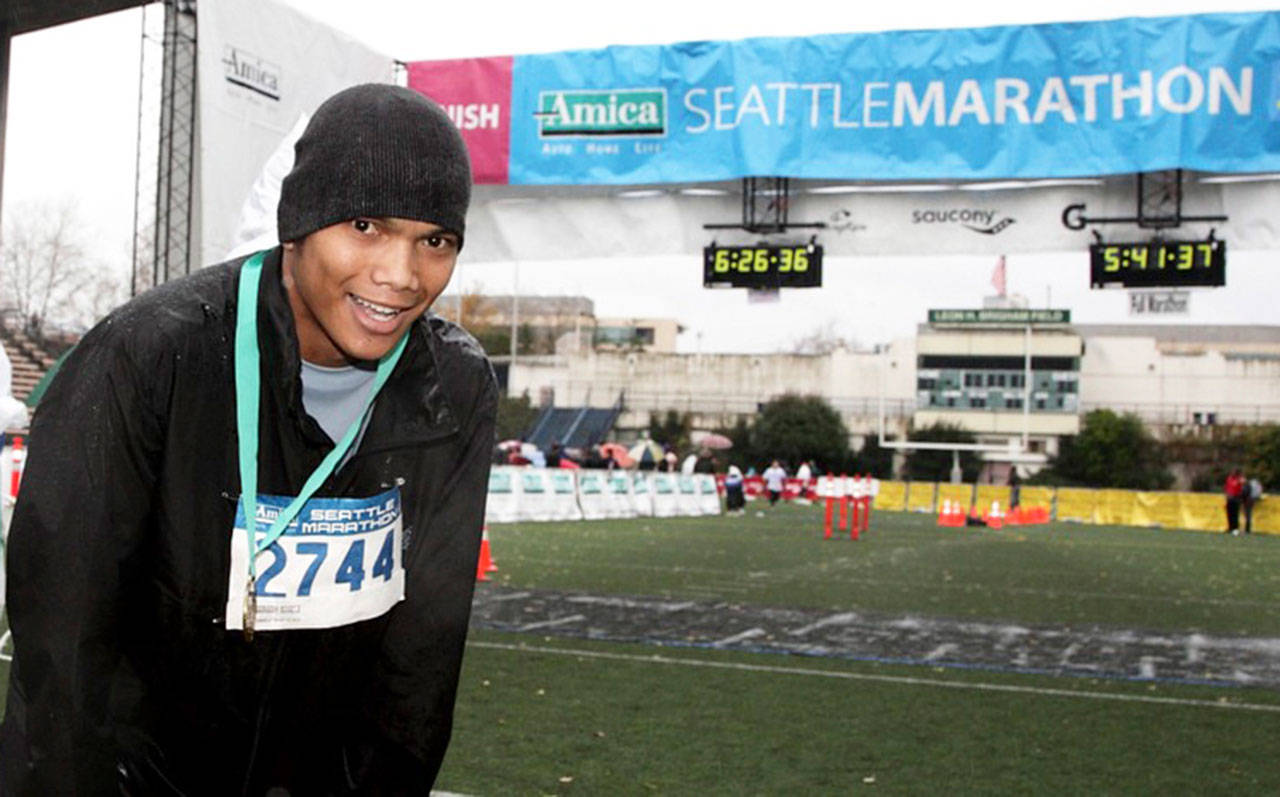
376	150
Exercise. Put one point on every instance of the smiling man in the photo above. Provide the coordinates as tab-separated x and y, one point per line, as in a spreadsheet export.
244	553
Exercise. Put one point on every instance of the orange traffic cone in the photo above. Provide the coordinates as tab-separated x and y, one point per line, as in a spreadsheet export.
995	518
19	459
485	565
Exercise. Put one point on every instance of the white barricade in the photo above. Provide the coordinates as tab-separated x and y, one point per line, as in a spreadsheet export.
666	500
619	502
503	503
826	487
536	499
708	495
642	494
592	495
687	502
564	489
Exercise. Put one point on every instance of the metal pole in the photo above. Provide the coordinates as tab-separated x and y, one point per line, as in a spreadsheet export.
515	310
1026	388
4	104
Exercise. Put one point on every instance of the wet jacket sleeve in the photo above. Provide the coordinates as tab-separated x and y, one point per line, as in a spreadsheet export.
417	672
76	530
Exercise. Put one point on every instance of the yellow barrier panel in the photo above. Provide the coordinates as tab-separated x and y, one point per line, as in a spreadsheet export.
1203	511
992	492
1266	516
1035	496
892	496
955	493
1158	509
1114	507
919	497
1076	503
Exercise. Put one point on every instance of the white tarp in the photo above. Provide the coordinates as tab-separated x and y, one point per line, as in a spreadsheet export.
642	494
262	65
666	497
537	501
619	502
708	495
688	502
593	494
569	222
564	489
503	503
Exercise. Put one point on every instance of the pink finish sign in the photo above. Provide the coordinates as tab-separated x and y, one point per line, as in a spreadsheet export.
476	93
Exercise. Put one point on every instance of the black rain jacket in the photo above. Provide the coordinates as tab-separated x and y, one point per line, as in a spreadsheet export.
125	679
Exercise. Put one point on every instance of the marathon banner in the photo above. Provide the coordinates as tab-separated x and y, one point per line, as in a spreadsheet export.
1011	217
262	69
1014	102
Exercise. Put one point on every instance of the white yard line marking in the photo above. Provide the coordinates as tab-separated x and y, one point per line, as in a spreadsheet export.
511	597
940	651
552	623
844	618
750	633
630	603
892	679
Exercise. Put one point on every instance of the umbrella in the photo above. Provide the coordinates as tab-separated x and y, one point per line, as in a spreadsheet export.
509	445
714	441
646	451
619	454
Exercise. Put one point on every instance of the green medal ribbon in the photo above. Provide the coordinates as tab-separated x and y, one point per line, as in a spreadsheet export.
248	381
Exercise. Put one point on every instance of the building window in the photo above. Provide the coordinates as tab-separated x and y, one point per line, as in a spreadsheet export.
1040	404
926	383
1065	386
1013	404
951	401
977	401
1017	380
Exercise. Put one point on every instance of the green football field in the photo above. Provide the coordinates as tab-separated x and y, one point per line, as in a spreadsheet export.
554	707
550	712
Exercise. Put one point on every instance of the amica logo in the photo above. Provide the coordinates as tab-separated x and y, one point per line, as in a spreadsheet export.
602	112
248	71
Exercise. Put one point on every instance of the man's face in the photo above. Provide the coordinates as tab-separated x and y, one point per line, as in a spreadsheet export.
355	287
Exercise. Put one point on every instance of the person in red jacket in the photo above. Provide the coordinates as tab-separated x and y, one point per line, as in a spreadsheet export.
1234	490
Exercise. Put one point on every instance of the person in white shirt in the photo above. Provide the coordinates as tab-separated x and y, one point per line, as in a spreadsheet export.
773	478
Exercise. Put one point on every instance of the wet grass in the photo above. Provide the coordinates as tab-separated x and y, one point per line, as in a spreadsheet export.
608	718
1058	574
534	721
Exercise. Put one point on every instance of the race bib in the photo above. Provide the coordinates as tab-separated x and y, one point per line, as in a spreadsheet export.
338	562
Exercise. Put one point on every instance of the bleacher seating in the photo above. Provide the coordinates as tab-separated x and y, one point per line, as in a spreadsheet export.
573	427
30	357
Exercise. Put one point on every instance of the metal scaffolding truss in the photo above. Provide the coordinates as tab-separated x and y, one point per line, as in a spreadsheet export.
164	198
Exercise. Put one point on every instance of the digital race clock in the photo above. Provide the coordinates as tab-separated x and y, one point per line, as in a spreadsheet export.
762	266
1158	264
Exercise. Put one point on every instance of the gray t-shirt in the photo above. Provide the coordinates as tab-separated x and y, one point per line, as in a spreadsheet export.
335	397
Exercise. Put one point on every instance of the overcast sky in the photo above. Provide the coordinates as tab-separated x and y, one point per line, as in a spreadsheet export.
72	132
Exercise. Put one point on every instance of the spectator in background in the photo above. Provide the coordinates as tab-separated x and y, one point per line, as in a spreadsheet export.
669	461
804	473
1234	491
774	476
689	464
1251	493
553	458
1015	488
735	501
